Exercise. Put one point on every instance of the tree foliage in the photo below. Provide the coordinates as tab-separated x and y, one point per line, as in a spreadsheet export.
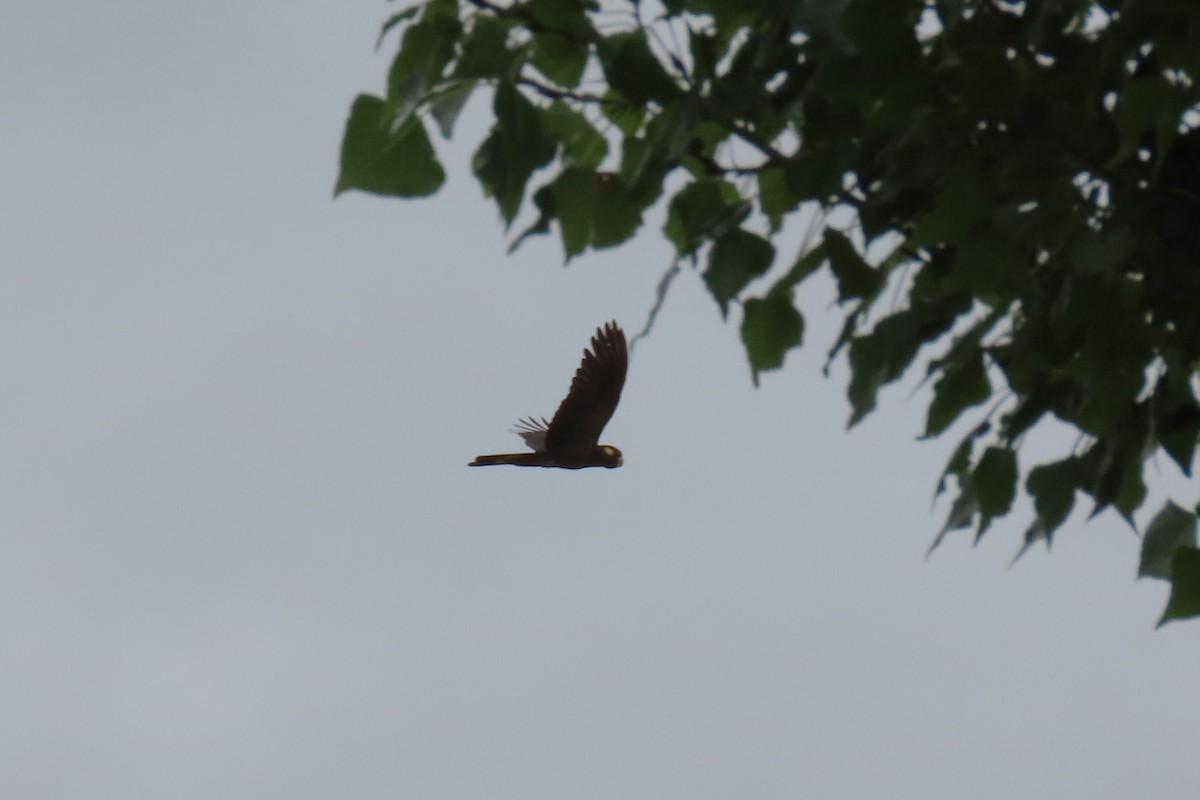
1025	176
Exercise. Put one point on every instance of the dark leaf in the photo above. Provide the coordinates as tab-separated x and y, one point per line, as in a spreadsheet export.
627	115
963	201
1146	105
485	52
805	265
1185	586
963	384
1111	471
986	263
1053	488
516	146
995	482
706	51
816	173
582	144
855	277
592	210
1177	418
394	20
559	58
633	70
544	202
448	102
425	51
566	17
775	197
702	210
736	258
881	356
636	154
771	326
880	28
374	160
963	510
959	464
1171	528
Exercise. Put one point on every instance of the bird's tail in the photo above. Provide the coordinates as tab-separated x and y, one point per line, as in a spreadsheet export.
516	459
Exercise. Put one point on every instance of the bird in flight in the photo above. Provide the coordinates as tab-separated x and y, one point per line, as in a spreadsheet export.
572	439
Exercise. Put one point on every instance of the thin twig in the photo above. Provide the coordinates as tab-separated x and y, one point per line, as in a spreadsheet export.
660	297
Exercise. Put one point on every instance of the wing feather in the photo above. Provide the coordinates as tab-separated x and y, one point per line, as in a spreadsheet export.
533	431
594	394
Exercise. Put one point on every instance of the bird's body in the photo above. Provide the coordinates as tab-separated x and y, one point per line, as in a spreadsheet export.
571	439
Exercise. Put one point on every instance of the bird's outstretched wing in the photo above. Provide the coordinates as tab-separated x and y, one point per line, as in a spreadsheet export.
593	397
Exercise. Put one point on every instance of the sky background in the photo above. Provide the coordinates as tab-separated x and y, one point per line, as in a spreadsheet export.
241	554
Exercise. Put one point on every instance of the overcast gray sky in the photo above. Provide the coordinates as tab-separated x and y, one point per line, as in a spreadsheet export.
241	554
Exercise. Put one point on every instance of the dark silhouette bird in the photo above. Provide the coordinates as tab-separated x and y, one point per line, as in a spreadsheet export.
572	439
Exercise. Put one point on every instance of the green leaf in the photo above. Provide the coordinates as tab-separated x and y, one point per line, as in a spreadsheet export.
485	52
582	144
448	102
873	363
675	134
401	164
880	28
702	210
1177	418
633	70
1185	586
995	482
614	218
900	100
706	51
439	9
1146	105
1053	488
1116	472
987	263
567	17
636	153
517	146
959	464
962	385
775	197
1171	529
572	196
701	138
963	201
881	356
1111	471
962	511
737	258
817	172
559	58
847	80
545	204
806	264
1101	254
424	52
394	20
626	114
770	327
592	210
855	277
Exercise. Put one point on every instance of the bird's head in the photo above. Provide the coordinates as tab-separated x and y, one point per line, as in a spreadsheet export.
609	456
